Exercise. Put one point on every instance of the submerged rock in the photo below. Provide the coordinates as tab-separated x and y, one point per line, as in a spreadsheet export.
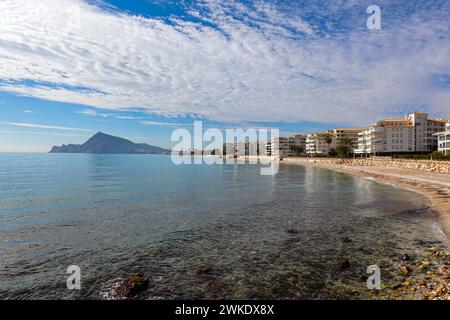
132	285
346	239
342	264
211	285
202	270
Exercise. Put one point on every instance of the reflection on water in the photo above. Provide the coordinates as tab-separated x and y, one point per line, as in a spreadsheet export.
117	214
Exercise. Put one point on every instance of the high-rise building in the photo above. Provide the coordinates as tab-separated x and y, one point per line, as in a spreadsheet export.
414	133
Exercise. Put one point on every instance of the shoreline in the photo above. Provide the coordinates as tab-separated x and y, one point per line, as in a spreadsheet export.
426	277
434	186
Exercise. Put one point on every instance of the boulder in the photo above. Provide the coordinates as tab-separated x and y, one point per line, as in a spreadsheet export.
342	264
133	285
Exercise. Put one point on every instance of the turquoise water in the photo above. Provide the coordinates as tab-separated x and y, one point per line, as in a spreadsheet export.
117	214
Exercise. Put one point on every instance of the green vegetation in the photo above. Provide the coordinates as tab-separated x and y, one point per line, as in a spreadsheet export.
332	153
297	150
436	155
345	147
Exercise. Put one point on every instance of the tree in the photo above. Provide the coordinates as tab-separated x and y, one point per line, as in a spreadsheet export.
329	140
345	147
297	150
332	152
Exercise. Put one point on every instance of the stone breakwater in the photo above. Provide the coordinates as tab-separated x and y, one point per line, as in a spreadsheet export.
418	165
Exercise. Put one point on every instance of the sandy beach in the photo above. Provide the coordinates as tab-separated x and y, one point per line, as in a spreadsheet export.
435	186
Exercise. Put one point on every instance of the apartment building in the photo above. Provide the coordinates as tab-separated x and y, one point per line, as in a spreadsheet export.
444	140
387	136
414	133
350	133
279	146
370	140
319	143
323	142
229	149
425	130
298	140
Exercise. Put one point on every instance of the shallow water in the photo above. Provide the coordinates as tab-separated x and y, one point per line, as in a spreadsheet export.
117	214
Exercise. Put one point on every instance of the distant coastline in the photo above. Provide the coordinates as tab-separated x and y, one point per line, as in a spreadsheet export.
102	143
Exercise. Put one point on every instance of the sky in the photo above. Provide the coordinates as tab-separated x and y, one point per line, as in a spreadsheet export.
142	68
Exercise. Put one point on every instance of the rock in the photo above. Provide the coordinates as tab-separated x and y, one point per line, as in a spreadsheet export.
211	285
405	257
342	264
133	285
440	288
156	253
346	239
202	271
425	262
406	283
397	286
405	270
292	231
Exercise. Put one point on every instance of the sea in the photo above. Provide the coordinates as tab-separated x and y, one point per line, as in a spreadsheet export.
199	231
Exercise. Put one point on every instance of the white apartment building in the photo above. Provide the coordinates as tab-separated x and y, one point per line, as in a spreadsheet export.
444	140
387	136
414	133
425	130
319	143
279	146
370	140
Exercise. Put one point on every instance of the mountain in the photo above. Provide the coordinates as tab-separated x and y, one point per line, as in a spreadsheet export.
103	143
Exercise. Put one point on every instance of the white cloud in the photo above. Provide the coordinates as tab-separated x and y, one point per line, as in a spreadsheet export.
259	63
94	113
128	117
163	124
29	111
41	126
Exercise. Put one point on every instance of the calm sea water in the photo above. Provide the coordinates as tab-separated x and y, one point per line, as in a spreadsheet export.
117	214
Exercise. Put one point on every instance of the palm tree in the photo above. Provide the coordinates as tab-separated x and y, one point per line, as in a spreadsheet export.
345	147
329	140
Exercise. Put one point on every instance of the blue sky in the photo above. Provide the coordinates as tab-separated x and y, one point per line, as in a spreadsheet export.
142	68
